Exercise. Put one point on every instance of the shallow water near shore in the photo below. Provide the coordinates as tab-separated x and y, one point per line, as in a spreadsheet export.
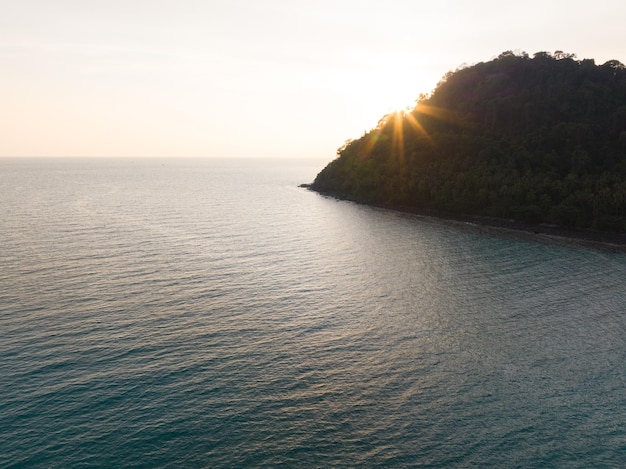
210	313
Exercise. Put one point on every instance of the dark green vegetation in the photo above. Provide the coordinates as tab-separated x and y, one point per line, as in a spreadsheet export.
537	139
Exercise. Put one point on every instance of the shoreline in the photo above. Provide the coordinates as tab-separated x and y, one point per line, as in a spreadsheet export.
615	242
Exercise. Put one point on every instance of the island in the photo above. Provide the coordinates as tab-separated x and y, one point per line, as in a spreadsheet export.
536	143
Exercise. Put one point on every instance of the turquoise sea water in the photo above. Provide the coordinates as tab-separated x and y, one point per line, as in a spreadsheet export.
210	313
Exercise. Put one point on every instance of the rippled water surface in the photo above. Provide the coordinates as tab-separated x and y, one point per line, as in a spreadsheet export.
210	313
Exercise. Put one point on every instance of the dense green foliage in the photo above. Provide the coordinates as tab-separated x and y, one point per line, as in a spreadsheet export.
539	139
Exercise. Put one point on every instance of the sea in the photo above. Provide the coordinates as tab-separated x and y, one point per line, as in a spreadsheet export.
211	313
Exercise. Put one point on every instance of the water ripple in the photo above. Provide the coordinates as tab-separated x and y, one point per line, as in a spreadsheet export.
208	313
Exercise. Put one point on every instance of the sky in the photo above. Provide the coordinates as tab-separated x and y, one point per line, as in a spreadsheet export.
254	78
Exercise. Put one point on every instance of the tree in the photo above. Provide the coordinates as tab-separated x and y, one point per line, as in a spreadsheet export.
541	140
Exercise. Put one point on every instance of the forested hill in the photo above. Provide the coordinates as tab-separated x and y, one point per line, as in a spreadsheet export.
538	139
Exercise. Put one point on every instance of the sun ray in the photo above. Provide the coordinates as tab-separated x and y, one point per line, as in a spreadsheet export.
439	113
397	120
398	137
413	122
371	142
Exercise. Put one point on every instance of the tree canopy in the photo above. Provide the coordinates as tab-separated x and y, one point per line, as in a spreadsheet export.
538	139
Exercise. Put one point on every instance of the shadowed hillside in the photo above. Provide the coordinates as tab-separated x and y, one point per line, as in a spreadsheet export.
537	139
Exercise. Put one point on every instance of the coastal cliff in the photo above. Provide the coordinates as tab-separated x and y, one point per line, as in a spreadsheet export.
538	140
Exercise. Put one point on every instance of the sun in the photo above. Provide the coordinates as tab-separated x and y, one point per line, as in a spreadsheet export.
395	96
390	88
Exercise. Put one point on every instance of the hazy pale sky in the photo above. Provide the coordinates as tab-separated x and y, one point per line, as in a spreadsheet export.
226	78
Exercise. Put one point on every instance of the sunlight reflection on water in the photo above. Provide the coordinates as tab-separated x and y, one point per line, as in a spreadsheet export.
211	313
